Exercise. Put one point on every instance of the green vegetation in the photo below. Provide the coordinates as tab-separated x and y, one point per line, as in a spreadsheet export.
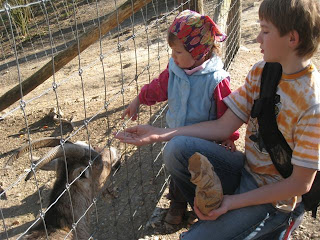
20	16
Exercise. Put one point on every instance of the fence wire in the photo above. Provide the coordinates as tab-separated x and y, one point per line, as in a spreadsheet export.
83	101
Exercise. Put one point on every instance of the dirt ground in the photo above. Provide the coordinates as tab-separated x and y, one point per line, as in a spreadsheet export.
137	207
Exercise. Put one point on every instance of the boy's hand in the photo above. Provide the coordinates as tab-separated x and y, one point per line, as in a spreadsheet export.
229	144
214	214
132	109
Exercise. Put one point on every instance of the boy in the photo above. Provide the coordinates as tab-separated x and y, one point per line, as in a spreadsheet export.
263	201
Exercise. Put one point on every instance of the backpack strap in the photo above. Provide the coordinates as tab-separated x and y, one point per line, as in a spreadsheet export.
273	140
264	109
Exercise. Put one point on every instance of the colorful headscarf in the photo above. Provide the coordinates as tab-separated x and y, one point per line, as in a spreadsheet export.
197	32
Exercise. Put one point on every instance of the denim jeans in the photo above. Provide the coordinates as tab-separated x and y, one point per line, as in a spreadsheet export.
254	222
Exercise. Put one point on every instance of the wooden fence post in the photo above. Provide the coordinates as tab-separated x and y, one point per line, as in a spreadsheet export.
233	31
228	15
194	5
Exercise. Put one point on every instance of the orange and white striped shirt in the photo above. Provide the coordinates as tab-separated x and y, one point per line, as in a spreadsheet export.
298	119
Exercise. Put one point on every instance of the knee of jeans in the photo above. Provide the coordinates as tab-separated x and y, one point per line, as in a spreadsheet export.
174	146
173	150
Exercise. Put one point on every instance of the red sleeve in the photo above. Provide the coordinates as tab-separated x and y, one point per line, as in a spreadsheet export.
220	92
156	90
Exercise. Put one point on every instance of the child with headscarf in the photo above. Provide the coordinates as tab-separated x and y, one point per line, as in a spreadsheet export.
194	84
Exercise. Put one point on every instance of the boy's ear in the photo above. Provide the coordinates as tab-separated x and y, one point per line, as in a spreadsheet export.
294	39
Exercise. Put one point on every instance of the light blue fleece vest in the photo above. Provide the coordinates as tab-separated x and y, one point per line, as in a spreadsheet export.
190	97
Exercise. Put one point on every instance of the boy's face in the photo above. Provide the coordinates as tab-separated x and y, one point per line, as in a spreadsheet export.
273	47
181	56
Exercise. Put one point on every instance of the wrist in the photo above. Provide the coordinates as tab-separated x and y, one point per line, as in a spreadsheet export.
137	100
164	134
232	202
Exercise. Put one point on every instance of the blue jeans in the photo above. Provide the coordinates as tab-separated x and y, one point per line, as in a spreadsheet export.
254	222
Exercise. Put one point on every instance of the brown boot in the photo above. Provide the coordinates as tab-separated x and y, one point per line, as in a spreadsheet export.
175	213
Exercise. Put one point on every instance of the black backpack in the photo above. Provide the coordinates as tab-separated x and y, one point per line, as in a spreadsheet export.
270	137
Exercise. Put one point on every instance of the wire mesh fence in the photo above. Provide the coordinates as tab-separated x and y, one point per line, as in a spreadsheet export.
68	69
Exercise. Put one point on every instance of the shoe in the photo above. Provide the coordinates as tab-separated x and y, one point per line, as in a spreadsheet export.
293	225
175	213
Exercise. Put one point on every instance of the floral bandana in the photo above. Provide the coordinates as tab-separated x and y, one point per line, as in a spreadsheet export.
197	32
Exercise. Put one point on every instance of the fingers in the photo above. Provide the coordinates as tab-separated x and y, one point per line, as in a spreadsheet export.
130	112
229	145
119	135
233	148
130	139
216	213
134	117
198	212
127	133
125	136
213	215
132	109
226	146
196	209
131	129
125	112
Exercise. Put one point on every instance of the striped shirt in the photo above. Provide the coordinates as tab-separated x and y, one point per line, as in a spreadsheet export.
298	118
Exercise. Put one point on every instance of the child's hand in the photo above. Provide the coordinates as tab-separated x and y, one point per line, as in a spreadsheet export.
229	144
132	109
214	214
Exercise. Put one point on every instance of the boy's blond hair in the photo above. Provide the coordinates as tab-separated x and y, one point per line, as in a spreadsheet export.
300	15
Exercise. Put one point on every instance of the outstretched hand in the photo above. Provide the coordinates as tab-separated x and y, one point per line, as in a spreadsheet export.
139	135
